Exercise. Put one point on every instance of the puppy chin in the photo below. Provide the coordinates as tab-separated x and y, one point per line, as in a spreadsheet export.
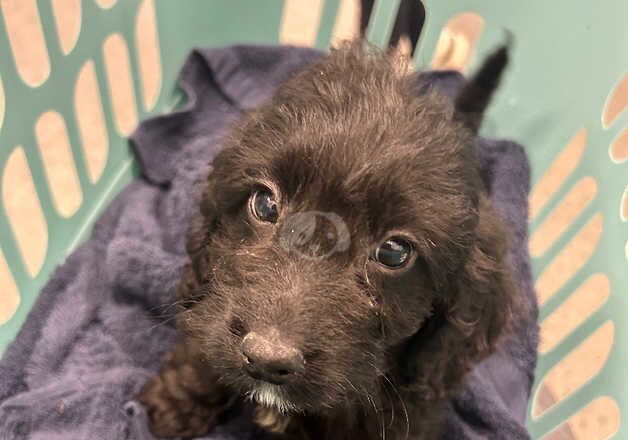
271	396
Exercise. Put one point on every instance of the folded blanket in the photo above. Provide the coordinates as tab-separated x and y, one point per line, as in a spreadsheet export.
102	324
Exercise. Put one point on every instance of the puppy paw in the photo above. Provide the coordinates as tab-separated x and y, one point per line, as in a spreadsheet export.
174	411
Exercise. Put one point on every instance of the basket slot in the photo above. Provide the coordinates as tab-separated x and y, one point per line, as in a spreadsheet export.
9	295
382	21
299	25
148	54
91	121
26	38
600	419
105	4
61	173
121	87
67	16
571	258
21	197
568	209
579	306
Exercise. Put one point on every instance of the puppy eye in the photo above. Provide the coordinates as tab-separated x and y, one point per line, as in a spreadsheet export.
393	253
263	206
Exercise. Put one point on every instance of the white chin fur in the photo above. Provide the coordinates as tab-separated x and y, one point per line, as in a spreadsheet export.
269	395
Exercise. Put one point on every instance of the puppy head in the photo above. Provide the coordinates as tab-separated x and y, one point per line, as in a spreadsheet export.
343	237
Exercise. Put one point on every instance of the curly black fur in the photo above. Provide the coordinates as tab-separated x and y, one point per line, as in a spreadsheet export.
384	349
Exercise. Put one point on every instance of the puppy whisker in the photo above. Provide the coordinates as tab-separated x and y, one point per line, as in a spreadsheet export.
403	403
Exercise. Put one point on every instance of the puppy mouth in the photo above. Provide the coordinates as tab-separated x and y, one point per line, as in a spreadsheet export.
272	396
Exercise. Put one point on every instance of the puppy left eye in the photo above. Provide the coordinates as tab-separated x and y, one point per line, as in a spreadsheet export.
393	253
264	206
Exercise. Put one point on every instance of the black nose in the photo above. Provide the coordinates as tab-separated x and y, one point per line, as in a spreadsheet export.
268	358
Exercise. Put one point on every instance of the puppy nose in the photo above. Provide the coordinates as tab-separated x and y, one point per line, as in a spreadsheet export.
270	359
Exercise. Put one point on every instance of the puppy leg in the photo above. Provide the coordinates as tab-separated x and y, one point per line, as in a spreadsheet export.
183	400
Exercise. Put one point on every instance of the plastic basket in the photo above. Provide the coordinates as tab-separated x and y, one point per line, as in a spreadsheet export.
93	68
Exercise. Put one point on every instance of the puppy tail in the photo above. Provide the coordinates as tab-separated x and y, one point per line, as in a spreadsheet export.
476	94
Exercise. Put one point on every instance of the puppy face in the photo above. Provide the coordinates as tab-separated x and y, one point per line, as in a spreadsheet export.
333	224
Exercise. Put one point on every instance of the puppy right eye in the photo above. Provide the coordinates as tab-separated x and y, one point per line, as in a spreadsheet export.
393	253
263	206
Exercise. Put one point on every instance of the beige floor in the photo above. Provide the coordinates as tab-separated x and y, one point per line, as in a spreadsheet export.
299	26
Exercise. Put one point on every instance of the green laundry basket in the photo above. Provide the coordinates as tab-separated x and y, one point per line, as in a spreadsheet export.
567	59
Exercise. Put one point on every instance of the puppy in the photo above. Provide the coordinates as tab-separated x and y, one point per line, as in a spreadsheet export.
346	268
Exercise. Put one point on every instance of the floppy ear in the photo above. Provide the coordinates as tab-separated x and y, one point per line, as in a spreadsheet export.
201	225
467	325
476	93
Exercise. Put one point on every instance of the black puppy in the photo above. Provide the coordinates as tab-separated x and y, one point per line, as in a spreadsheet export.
346	270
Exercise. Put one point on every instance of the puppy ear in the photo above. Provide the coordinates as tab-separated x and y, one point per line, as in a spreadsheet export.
201	226
466	327
475	95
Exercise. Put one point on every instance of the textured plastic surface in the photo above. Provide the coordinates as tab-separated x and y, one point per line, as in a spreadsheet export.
567	58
